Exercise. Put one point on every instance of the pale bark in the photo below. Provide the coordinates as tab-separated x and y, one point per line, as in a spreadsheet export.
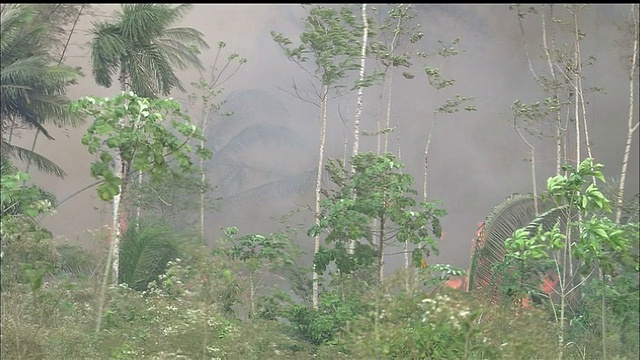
631	127
203	179
323	131
356	125
532	152
117	211
426	159
103	287
405	245
381	254
388	123
554	76
139	207
203	176
426	147
117	232
363	59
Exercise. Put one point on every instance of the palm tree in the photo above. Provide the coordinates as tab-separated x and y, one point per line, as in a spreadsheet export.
33	87
146	252
142	48
515	212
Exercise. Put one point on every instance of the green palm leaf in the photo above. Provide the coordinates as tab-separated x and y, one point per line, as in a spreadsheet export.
40	162
145	252
144	50
32	86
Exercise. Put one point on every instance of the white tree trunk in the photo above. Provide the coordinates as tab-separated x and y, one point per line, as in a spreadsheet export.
363	60
323	131
117	230
203	179
631	128
356	125
388	122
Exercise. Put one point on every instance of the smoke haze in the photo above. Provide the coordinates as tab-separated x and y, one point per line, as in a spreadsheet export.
476	158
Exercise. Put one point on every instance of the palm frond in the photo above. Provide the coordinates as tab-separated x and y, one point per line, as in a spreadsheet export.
556	215
185	35
32	86
108	47
513	213
40	162
145	252
76	261
142	46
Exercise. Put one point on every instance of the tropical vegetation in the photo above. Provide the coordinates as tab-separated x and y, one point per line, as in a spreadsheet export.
553	271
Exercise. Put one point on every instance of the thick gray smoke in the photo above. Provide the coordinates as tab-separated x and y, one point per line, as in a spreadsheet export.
476	157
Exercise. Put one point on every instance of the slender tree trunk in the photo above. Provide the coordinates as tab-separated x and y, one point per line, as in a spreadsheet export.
207	307
405	245
203	179
252	294
105	282
561	332
532	152
631	128
554	90
356	125
388	122
426	147
426	159
381	254
203	176
118	214
118	219
33	148
323	131
363	60
139	207
380	278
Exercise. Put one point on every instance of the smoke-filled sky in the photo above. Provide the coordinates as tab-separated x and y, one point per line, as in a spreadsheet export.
476	158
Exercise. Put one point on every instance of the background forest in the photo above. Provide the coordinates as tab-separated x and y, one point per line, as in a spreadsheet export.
367	181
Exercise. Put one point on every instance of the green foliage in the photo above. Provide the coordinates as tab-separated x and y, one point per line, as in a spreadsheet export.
397	27
438	82
331	38
376	190
146	250
174	198
599	240
621	315
447	325
16	198
133	128
33	83
27	251
144	50
514	212
76	262
323	325
255	250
